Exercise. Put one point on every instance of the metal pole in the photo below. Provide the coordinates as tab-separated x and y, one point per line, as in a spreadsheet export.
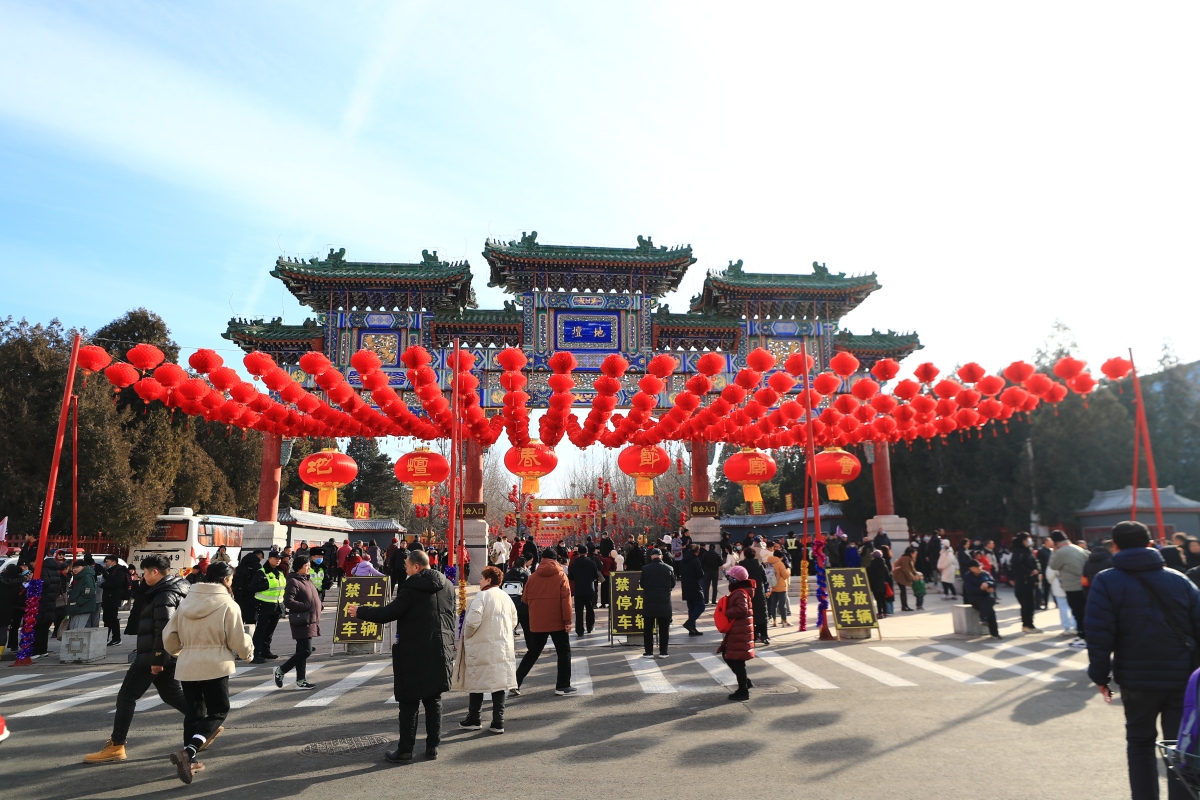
56	459
1150	471
74	475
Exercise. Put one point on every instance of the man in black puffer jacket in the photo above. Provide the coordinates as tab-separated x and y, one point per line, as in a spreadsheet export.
1144	628
151	664
656	584
53	584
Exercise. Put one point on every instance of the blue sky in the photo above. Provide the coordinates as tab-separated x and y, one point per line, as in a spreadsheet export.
998	167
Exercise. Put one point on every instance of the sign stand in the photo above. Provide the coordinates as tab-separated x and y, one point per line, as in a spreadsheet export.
851	605
625	616
369	592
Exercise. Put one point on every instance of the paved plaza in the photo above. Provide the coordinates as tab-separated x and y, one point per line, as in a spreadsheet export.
922	712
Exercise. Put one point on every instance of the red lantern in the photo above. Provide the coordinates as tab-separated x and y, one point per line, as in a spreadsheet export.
835	467
531	463
93	358
205	361
1067	367
885	369
1114	369
749	469
121	375
644	464
422	469
145	356
844	364
328	471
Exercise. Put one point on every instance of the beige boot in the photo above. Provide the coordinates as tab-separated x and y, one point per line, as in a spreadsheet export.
109	753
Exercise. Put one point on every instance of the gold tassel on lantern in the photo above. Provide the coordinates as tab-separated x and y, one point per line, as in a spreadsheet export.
837	492
421	495
530	485
751	493
327	498
645	487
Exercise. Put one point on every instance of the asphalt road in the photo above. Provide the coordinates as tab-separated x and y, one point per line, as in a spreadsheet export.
921	714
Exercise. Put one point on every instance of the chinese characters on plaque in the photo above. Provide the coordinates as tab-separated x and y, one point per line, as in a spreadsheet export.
369	592
626	616
850	601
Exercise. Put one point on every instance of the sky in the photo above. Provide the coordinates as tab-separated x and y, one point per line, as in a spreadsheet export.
999	167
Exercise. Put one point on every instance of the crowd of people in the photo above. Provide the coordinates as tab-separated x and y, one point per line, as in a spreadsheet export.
190	630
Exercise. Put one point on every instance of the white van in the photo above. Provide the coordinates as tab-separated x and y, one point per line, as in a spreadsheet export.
185	537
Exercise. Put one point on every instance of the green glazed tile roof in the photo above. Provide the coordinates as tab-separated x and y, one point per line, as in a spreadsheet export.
669	320
819	279
273	331
335	266
472	316
530	248
877	342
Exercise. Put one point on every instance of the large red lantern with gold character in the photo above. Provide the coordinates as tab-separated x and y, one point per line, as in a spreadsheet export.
834	467
644	463
530	463
422	469
749	469
328	471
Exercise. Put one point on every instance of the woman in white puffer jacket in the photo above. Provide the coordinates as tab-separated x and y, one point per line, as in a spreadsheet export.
486	660
947	566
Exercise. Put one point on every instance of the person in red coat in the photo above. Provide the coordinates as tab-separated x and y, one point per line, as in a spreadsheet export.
738	645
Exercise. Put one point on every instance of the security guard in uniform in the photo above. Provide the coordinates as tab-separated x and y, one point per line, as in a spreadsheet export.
792	543
268	586
317	572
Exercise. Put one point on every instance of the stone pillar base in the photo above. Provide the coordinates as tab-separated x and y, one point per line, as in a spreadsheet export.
475	532
704	530
854	633
895	527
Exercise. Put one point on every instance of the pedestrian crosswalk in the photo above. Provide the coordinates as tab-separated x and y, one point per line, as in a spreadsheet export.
896	666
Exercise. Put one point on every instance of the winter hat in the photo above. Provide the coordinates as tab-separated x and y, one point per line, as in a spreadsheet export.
654	551
1057	536
974	563
737	574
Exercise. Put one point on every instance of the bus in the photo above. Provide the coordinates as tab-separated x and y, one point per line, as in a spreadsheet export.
185	537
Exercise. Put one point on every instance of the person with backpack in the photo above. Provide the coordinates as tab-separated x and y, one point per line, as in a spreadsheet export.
1144	632
734	617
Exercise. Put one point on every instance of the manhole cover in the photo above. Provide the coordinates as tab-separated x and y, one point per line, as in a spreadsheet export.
345	747
774	688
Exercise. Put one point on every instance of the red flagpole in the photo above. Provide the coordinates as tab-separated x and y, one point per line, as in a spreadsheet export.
452	517
74	475
1137	439
1151	473
48	505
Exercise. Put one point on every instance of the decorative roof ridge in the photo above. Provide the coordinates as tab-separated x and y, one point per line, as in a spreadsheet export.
734	272
337	258
501	316
530	244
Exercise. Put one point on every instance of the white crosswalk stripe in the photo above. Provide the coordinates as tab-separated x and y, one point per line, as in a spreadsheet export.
931	666
11	697
995	663
886	678
243	699
581	675
19	678
357	678
150	701
1036	655
796	673
68	702
717	668
649	675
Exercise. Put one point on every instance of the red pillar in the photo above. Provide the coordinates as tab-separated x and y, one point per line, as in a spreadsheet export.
700	489
881	471
268	484
473	467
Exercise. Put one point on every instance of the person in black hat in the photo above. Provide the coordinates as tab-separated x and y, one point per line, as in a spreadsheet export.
657	581
979	589
268	586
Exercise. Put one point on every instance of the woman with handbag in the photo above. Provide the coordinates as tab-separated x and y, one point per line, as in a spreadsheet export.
738	645
905	573
486	660
877	579
303	603
206	634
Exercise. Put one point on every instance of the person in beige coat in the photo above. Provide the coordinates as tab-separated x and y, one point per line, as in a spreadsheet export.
486	660
206	635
